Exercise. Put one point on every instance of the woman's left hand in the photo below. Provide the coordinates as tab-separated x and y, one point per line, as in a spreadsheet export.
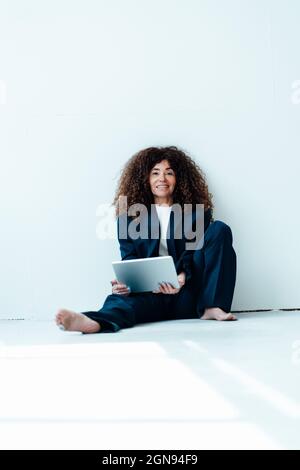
166	288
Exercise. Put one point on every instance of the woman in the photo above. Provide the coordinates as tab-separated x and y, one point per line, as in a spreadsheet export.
165	177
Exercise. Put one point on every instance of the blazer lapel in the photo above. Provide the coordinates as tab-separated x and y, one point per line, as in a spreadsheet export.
171	240
153	232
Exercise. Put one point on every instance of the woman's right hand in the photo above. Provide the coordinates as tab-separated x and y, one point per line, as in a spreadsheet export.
119	288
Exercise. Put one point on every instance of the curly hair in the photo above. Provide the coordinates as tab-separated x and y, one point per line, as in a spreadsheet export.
190	188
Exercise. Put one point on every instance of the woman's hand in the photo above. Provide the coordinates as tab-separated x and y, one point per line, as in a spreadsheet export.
166	288
119	288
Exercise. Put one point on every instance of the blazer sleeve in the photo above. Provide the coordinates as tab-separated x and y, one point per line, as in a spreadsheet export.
127	248
185	261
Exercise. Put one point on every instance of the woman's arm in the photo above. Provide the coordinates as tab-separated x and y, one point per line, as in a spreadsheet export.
128	251
127	248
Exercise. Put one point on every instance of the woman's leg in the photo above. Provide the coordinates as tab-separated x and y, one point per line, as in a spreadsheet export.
215	273
117	312
184	304
208	295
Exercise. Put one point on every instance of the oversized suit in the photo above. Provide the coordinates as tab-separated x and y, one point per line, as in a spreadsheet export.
210	273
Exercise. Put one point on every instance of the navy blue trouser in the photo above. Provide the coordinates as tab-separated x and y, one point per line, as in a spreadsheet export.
212	285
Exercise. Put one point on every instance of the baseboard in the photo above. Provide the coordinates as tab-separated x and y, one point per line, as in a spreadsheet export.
267	310
16	317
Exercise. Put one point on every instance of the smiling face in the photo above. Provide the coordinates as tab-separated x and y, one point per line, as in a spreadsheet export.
162	181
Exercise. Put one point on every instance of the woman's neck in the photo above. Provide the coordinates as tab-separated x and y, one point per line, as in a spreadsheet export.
163	202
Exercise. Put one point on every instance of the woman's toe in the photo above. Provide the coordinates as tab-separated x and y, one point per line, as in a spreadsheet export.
231	317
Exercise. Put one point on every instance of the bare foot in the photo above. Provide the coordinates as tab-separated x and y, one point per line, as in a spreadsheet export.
217	313
72	321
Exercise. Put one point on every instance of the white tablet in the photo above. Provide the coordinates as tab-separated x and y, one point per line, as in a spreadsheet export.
144	274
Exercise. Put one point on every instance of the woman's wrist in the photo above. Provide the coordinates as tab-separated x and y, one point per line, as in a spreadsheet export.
181	278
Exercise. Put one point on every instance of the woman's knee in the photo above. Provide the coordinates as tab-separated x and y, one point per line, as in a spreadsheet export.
220	230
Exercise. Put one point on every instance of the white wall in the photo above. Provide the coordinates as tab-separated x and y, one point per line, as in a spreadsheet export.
85	84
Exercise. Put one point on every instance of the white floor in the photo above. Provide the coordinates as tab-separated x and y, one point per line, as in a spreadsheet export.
184	384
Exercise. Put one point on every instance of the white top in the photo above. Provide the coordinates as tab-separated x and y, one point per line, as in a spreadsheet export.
163	213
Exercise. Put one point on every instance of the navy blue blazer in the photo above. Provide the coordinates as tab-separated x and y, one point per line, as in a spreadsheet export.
147	247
